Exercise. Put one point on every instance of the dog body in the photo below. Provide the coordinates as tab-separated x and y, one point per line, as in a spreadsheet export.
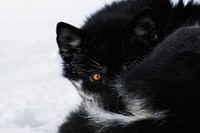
127	81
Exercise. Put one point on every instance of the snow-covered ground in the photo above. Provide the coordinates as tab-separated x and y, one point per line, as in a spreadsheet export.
34	97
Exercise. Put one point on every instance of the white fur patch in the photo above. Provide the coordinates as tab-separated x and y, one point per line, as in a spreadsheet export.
139	107
77	84
185	2
105	119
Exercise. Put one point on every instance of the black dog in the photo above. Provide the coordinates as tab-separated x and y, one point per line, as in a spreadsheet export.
161	93
103	56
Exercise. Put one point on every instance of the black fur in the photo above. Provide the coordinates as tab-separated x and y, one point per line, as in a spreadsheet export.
115	43
170	78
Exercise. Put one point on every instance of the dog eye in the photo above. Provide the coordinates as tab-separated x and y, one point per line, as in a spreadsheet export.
96	77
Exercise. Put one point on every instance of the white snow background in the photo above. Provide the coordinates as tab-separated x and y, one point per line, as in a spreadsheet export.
34	97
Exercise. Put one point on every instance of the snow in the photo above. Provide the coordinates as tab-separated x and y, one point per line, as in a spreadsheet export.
34	97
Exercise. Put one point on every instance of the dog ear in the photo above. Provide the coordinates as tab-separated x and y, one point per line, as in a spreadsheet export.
144	23
67	36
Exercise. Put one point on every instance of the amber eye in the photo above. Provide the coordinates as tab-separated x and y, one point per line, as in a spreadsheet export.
96	77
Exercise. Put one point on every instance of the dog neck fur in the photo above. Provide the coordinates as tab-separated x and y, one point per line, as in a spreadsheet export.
99	116
103	119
